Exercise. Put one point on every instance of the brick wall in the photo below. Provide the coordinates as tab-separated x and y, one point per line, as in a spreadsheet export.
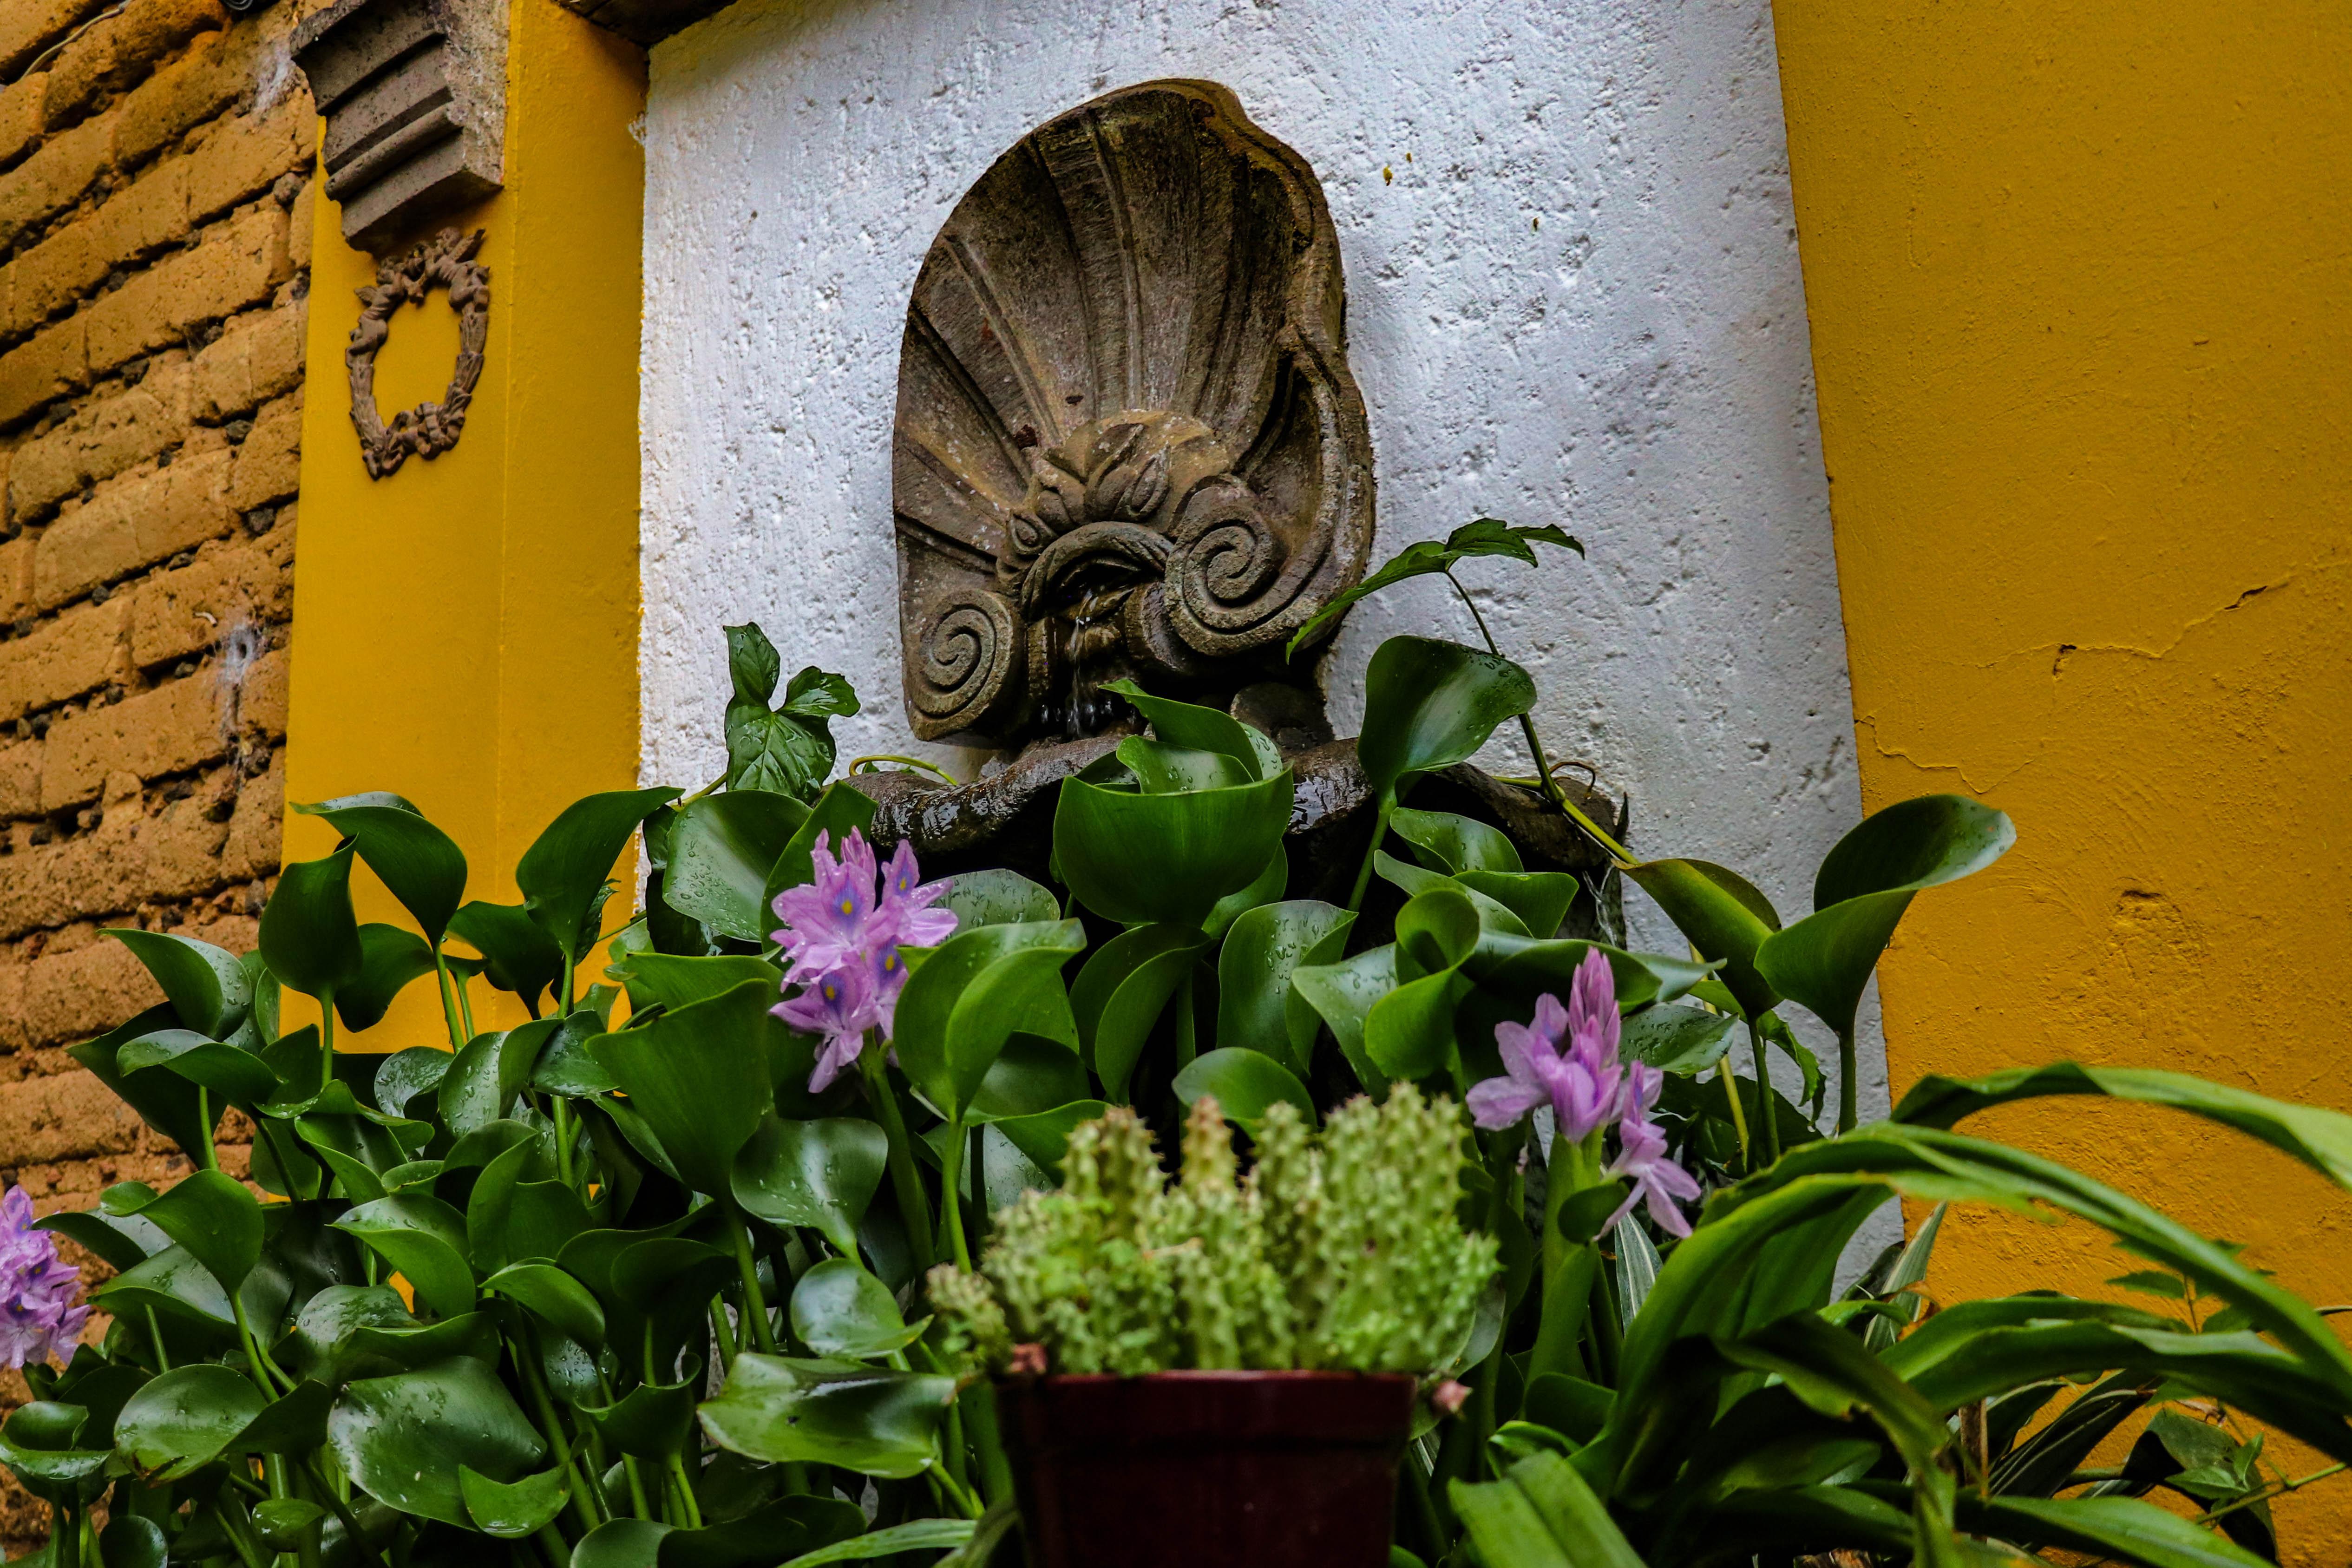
153	271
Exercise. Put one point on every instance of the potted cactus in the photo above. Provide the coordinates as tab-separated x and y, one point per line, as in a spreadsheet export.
1226	1369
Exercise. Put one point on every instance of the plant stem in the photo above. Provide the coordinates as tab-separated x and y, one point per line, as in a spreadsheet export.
1767	1123
1568	1267
1848	1113
987	1442
685	1491
465	1001
343	1510
1544	779
1371	851
564	1137
857	762
722	1334
1724	1076
205	1120
563	998
326	1041
755	1304
951	1194
449	999
526	1357
2279	1490
905	1183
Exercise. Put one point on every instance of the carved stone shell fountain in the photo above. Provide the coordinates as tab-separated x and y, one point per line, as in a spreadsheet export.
1128	442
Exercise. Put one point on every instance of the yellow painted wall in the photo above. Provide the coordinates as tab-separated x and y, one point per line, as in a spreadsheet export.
2080	276
465	629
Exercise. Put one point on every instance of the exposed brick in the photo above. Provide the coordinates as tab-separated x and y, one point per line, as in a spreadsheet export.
261	702
252	849
71	1117
20	796
27	26
242	158
16	578
120	50
55	363
214	73
257	356
71	996
76	652
131	522
177	726
237	265
269	464
107	436
180	844
11	995
20	117
175	614
150	213
305	227
55	177
47	279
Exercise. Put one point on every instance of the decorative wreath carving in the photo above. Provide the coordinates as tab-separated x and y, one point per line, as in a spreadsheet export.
445	261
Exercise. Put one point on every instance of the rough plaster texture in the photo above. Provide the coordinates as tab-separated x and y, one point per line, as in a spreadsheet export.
1573	296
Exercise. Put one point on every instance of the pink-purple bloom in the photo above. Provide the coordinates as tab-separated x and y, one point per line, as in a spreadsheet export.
1568	1058
841	937
41	1313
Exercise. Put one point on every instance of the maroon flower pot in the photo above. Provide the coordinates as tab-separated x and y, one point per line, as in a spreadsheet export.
1271	1469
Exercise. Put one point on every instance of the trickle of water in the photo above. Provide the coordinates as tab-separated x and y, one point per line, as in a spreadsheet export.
1087	649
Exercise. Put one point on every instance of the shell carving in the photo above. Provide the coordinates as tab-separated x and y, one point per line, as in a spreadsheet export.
1128	442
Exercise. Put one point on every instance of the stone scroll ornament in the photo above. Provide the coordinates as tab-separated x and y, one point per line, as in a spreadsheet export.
1128	442
444	261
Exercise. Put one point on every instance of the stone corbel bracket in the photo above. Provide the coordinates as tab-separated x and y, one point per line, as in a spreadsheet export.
413	92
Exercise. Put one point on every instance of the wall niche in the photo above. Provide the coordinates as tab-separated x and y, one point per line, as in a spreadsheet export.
1127	441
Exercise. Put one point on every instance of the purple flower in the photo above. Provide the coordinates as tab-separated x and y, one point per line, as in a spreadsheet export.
1642	1154
40	1315
829	920
841	937
1584	1083
841	1006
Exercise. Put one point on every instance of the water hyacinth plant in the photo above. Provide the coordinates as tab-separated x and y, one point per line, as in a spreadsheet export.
637	1277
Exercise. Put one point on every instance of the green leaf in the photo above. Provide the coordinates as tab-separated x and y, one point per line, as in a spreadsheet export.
1255	1004
1722	914
206	986
309	938
1677	1039
165	1101
914	1535
2320	1138
666	980
2123	1528
791	1525
1163	769
217	1218
1485	536
1271	884
554	1297
1409	1033
816	693
783	1411
1121	991
564	874
234	1075
1444	842
622	1543
1246	1083
754	665
1865	885
720	853
131	1542
839	1309
511	1511
407	1074
841	810
182	1420
1043	1137
821	1174
703	1076
423	1238
421	865
389	959
484	1078
1195	728
997	897
408	1438
1201	846
973	993
788	750
1343	994
1540	898
1032	1074
518	956
1541	1514
1429	704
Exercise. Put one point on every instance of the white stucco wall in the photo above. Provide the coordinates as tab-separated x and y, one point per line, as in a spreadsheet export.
1576	300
